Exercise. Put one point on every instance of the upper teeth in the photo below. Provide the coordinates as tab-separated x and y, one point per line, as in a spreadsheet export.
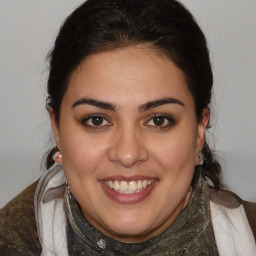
129	187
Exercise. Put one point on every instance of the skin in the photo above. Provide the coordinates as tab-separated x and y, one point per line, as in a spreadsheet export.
129	141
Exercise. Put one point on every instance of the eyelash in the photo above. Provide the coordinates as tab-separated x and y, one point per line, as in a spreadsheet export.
168	121
90	118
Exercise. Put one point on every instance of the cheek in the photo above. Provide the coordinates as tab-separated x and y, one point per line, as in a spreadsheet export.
176	150
82	154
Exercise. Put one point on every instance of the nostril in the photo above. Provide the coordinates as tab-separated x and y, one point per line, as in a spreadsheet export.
128	152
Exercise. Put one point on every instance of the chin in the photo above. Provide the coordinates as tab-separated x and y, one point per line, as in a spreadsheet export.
129	227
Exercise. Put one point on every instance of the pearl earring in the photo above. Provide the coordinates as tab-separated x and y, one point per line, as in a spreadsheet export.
57	157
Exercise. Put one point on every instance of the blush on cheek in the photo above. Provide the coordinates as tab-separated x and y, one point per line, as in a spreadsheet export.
83	158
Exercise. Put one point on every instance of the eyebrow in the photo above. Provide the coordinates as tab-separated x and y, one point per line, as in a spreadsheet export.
108	106
96	103
159	102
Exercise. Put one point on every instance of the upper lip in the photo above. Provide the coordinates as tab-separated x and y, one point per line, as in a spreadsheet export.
131	178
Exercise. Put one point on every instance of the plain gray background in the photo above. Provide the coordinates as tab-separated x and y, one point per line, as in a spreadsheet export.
27	31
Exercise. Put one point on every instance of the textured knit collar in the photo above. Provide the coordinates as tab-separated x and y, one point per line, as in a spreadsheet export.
190	234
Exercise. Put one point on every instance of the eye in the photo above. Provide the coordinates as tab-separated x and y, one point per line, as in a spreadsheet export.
160	121
96	121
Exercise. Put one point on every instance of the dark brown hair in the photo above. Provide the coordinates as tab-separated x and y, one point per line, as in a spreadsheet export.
103	25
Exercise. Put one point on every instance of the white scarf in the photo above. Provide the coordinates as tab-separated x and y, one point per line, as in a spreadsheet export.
232	231
50	213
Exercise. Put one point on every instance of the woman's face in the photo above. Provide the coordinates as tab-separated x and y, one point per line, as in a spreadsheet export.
130	140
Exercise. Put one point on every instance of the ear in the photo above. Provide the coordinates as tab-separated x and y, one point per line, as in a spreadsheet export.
201	128
55	128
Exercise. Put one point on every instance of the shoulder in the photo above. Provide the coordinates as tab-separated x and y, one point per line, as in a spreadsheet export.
18	231
250	210
231	200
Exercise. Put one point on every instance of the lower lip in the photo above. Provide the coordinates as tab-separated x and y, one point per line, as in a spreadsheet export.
128	198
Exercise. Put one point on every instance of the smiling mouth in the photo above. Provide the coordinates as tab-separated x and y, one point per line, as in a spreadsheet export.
130	187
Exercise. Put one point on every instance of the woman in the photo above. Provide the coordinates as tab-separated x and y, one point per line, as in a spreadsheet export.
129	88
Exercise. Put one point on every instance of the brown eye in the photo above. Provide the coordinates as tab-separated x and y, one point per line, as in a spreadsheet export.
160	121
97	120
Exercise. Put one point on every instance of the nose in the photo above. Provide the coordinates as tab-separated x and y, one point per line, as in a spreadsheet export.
128	148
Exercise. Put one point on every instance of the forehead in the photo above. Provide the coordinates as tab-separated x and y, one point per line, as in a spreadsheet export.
129	75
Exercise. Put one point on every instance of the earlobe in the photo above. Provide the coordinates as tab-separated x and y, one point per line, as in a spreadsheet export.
202	125
54	127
